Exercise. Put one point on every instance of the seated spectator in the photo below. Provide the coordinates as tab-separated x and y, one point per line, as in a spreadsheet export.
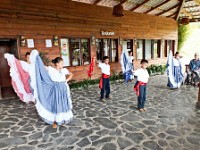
195	69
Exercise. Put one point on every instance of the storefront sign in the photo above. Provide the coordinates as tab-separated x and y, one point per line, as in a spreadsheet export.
107	33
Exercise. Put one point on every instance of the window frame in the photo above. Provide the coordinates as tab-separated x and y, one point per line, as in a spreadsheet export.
80	46
142	40
169	45
152	49
144	46
158	45
110	48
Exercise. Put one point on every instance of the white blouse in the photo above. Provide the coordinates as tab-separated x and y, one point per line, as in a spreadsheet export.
176	62
57	76
131	58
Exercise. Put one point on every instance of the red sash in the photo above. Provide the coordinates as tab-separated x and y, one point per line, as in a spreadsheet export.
104	76
137	87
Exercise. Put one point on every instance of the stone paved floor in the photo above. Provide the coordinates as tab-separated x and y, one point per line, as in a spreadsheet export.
172	122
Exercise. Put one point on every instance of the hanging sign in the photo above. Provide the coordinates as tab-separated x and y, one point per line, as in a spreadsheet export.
107	33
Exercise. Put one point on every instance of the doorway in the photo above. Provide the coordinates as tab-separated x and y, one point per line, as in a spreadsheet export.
6	46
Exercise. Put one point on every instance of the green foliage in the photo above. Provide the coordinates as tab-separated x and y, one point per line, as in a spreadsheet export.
44	57
86	83
116	76
183	32
83	84
156	69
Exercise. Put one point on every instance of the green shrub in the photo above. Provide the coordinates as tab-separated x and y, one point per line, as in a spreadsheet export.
156	69
44	57
86	83
183	33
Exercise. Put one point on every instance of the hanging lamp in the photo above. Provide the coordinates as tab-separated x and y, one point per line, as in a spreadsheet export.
118	10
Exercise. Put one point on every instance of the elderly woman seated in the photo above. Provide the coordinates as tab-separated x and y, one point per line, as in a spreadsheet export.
194	70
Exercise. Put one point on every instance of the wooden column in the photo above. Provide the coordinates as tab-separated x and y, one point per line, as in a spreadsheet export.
198	103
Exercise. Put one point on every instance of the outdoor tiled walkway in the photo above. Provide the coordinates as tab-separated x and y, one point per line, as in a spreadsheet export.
171	122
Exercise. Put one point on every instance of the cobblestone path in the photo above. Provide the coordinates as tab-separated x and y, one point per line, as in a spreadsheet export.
171	121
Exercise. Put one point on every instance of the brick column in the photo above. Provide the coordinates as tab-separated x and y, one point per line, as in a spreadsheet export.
198	103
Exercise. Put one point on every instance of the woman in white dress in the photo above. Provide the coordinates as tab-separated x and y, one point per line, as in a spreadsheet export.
59	74
174	69
51	91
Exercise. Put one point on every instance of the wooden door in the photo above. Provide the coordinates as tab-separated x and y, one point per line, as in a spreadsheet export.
5	80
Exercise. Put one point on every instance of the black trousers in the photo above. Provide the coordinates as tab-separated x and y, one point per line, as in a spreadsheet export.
105	88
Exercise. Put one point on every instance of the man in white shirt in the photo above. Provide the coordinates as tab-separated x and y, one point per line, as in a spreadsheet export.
104	84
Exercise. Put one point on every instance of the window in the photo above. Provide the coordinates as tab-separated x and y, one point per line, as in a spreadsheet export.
107	47
148	47
113	52
169	45
156	48
75	51
139	49
85	50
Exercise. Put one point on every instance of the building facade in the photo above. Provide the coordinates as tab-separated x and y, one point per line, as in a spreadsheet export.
77	32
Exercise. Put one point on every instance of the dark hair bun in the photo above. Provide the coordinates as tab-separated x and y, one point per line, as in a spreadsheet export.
57	60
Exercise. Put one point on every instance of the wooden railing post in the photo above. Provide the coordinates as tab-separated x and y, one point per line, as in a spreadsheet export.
198	103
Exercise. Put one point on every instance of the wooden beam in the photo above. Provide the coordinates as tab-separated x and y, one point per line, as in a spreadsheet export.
195	19
122	2
196	15
191	6
155	7
179	10
172	15
168	9
137	6
96	2
194	11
